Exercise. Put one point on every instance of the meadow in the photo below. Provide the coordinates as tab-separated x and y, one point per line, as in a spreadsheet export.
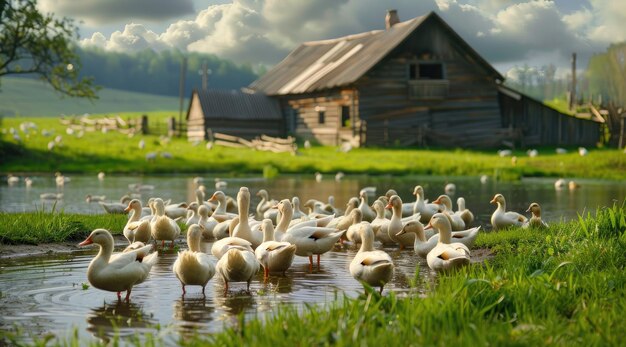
113	152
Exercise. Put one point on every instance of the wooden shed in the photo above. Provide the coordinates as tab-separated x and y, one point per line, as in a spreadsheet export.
234	112
415	83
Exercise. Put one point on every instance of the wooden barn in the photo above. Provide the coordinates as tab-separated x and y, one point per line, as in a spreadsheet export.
233	112
415	83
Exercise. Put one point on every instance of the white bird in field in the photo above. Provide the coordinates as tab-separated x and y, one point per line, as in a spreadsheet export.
532	153
582	151
151	156
505	152
101	175
51	145
142	144
560	150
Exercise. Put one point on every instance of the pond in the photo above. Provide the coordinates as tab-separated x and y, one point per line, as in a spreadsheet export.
46	294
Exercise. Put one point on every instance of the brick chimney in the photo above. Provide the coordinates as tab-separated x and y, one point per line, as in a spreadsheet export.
391	18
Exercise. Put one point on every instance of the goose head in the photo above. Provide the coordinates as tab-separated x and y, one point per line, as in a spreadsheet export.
444	200
390	193
394	203
498	199
100	237
134	204
535	209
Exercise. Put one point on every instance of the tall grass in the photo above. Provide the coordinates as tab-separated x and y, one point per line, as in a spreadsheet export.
114	152
562	286
40	227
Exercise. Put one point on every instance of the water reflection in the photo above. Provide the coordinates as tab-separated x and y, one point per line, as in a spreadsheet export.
119	318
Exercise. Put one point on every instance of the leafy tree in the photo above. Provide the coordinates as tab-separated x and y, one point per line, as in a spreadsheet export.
34	43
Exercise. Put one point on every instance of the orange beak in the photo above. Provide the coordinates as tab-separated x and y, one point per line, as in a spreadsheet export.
389	206
428	226
127	209
437	201
88	241
213	198
493	201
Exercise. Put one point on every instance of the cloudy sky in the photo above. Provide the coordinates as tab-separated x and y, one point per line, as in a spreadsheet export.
505	32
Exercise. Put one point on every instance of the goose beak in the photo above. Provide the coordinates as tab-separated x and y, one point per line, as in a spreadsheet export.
428	226
213	198
528	210
389	206
88	241
493	201
127	209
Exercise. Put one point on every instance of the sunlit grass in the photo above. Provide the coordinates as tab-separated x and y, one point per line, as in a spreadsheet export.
117	153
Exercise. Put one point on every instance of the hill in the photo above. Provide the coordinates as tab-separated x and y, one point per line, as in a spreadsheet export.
29	97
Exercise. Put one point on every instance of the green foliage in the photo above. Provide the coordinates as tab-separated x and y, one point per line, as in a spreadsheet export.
270	171
45	227
34	43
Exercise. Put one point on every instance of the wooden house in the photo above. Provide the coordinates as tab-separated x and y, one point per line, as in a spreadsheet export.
415	83
233	112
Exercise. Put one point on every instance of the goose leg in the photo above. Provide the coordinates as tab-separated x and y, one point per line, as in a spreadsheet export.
318	261
162	244
128	294
119	295
311	263
184	291
381	290
266	273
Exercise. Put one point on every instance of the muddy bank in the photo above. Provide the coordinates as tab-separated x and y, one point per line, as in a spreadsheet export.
17	251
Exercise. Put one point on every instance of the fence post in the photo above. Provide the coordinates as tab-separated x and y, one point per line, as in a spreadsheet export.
144	124
171	126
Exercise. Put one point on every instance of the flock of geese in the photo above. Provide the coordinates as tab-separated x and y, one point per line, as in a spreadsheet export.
277	231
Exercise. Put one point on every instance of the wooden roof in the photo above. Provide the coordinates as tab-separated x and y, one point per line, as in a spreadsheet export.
319	65
236	104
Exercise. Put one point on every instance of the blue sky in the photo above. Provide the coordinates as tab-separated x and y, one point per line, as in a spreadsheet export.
506	32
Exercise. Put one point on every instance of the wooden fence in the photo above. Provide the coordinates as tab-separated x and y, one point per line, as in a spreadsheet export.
261	143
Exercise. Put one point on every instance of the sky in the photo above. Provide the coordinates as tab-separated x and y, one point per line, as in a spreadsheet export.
507	33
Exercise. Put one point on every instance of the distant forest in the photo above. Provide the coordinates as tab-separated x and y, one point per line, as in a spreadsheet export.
159	72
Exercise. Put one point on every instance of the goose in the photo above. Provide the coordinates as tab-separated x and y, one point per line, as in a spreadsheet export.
370	266
163	227
237	265
51	196
560	184
220	214
28	182
273	255
94	198
117	272
222	246
244	229
353	234
573	185
175	211
220	184
135	229
450	189
330	206
116	207
194	217
466	214
318	177
200	200
297	213
265	203
12	180
60	179
316	208
193	267
101	176
501	218
206	223
395	224
286	223
339	176
426	238
455	219
407	207
425	210
368	213
446	256
344	222
382	223
307	236
535	221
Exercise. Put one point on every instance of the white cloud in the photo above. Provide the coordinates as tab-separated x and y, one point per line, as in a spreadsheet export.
264	31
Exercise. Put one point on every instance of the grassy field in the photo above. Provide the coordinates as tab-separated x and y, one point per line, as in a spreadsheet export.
30	97
117	153
561	286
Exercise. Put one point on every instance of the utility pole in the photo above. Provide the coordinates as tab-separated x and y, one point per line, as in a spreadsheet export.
183	71
572	92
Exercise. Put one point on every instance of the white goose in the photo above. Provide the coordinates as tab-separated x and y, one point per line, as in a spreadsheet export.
220	214
353	234
163	227
426	239
175	211
193	267
407	207
535	221
194	217
265	203
370	266
308	239
395	224
426	210
273	255
222	246
244	229
501	218
446	256
135	229
455	219
94	198
118	272
286	223
466	214
382	223
237	265
368	213
297	213
207	224
116	207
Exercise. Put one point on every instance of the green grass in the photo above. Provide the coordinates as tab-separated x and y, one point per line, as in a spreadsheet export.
30	97
562	286
45	227
117	153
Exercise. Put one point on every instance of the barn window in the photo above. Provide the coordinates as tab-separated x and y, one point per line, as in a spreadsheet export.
321	117
345	116
433	71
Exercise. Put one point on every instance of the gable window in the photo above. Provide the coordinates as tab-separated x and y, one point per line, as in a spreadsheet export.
345	116
432	71
321	117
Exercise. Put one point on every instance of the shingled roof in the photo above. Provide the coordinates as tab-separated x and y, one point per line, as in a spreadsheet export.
236	104
319	65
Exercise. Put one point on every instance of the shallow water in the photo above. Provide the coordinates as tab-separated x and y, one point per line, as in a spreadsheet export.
46	294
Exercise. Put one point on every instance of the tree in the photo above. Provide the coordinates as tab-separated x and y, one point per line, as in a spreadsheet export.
34	43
